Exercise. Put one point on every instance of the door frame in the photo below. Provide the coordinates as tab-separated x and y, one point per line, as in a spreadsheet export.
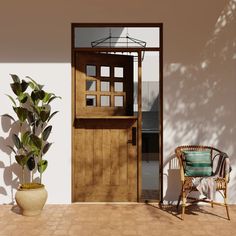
139	129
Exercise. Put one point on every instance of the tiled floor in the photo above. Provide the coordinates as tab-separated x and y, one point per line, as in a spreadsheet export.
118	219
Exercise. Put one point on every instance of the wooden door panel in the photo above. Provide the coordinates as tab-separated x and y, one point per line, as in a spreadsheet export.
123	164
106	162
89	152
114	157
106	144
98	156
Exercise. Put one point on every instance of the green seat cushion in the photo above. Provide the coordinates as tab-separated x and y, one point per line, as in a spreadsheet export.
198	163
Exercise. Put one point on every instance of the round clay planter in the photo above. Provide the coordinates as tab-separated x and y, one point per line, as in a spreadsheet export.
31	201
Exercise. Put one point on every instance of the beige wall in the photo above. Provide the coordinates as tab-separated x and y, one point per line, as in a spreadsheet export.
199	73
199	88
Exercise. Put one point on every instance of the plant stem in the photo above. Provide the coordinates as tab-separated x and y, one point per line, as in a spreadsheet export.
41	152
23	177
23	169
32	176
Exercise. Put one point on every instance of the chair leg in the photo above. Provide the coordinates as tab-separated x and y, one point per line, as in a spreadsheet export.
226	205
183	203
177	207
212	203
179	199
227	211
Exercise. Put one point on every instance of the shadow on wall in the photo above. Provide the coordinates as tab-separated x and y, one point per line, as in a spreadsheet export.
173	179
199	106
11	172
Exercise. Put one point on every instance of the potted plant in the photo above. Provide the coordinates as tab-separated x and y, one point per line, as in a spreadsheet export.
32	106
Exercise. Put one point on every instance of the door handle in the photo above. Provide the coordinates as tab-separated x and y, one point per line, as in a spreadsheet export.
134	136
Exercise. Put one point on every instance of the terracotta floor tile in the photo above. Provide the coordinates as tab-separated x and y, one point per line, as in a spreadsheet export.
117	219
60	232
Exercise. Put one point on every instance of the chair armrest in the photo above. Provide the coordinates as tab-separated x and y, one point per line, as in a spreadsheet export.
182	178
181	167
227	178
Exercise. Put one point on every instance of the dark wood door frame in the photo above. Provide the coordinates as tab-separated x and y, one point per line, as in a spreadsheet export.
139	52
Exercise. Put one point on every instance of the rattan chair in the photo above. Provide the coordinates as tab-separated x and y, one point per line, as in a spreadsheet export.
187	181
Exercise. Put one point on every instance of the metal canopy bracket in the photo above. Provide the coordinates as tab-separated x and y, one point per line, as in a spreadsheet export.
126	42
119	42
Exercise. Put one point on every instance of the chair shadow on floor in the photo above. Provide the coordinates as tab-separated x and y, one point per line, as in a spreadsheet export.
192	209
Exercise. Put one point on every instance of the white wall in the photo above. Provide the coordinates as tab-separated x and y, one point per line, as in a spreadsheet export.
56	78
199	74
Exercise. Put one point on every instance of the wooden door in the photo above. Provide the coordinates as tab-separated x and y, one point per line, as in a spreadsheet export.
105	140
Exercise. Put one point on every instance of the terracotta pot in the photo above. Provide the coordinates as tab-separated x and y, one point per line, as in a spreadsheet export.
31	201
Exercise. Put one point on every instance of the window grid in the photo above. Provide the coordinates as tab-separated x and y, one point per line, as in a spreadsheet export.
109	91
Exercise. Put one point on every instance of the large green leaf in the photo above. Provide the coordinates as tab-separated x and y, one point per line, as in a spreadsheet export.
31	163
32	86
46	132
47	97
32	81
44	115
34	150
19	87
36	109
25	137
21	112
41	94
37	123
46	147
21	159
53	114
15	78
37	142
37	94
24	86
23	97
52	98
42	166
16	88
34	96
16	141
30	117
